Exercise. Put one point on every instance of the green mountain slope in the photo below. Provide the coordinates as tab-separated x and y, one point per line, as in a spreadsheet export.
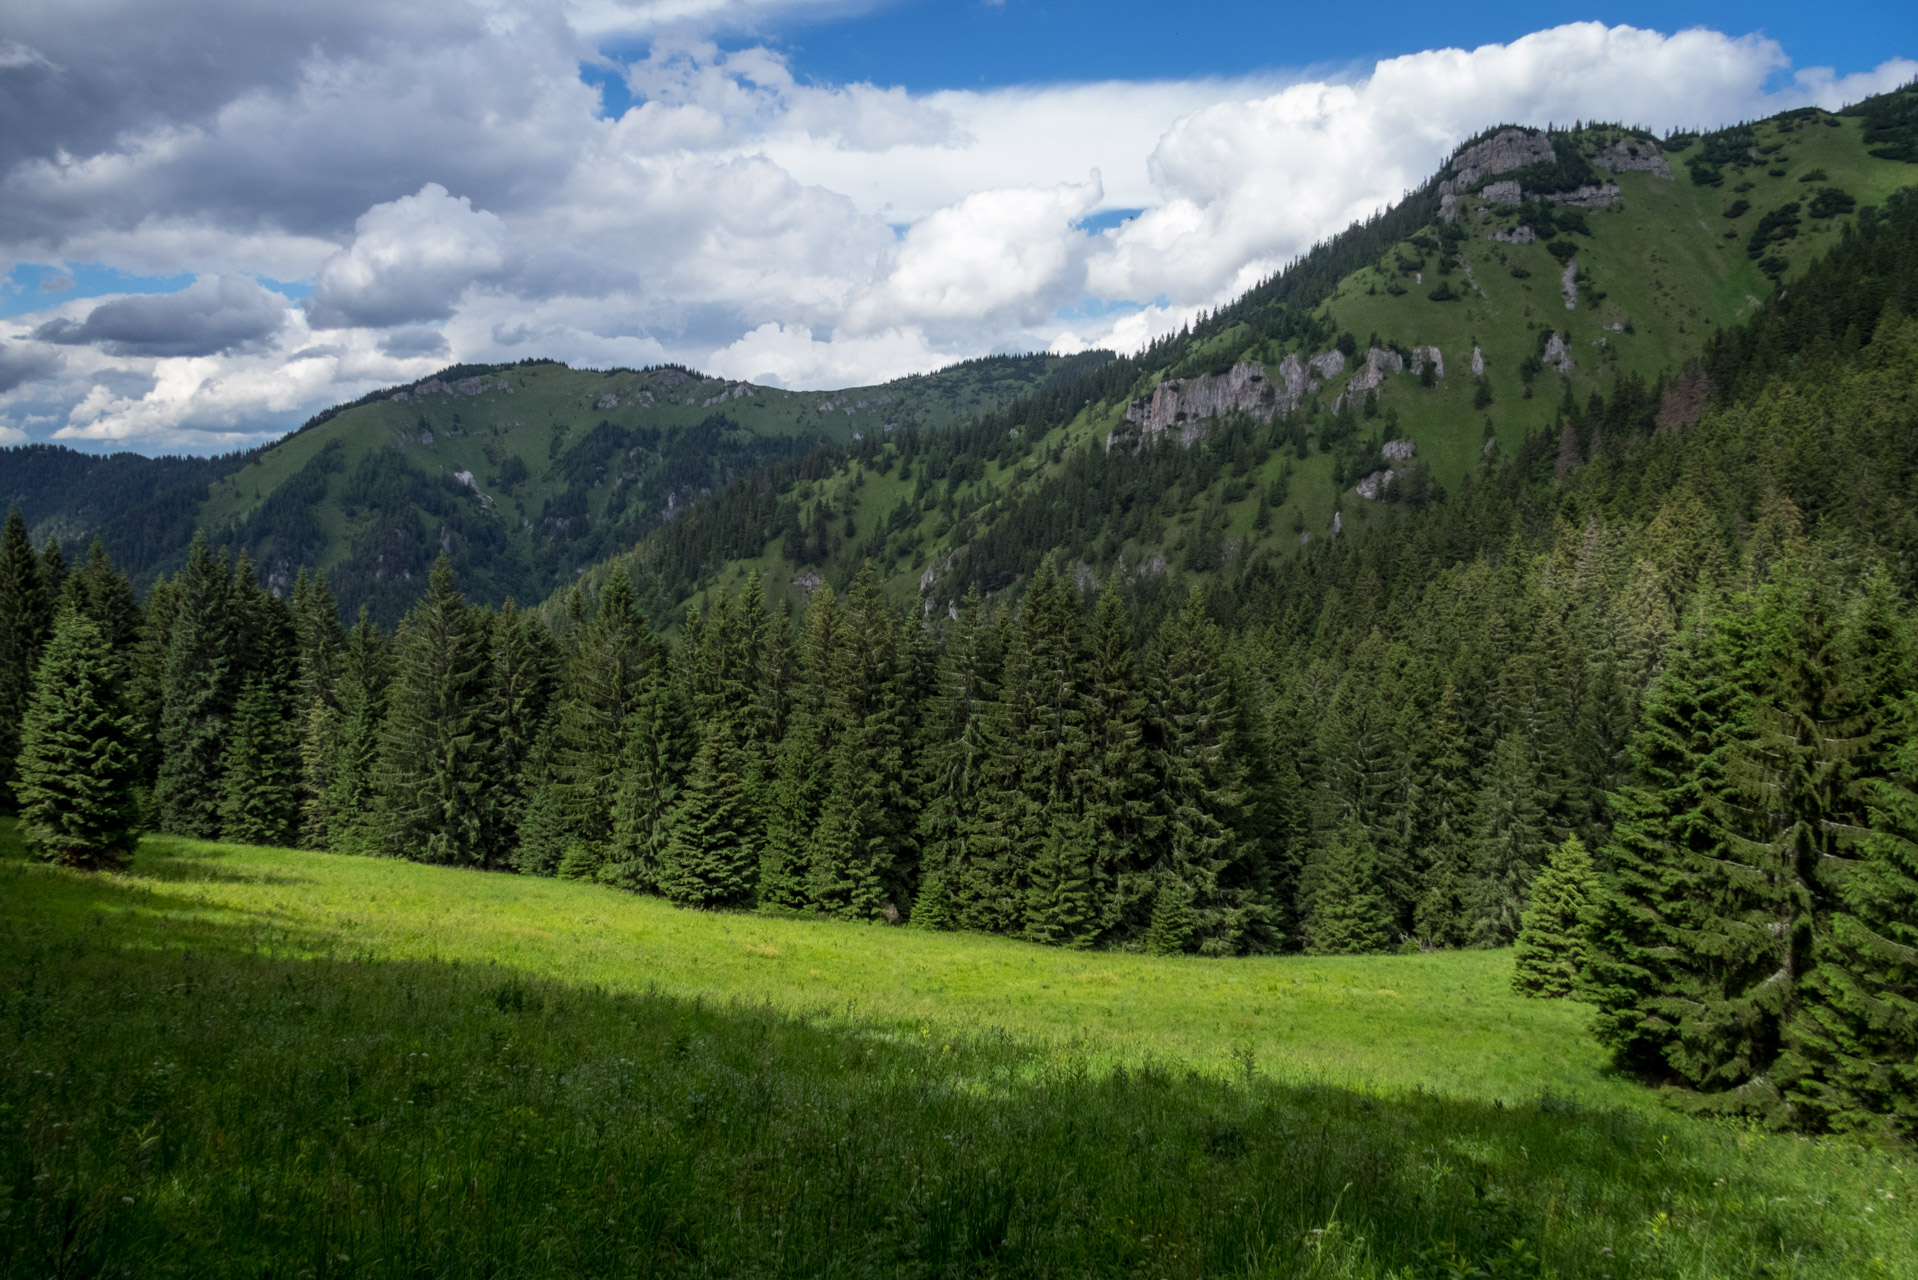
1599	271
524	472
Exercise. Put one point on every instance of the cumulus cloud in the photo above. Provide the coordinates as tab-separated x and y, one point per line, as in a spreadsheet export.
451	189
410	260
213	314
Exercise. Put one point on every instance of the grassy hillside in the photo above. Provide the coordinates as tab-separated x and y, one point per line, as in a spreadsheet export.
523	472
1653	274
239	1061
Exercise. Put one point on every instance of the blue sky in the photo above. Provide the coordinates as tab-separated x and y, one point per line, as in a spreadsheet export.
198	254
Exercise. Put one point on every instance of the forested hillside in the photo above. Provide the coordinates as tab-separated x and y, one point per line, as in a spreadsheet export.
1371	378
522	473
1629	688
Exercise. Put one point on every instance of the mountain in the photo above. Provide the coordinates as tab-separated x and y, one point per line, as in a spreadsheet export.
525	472
1534	272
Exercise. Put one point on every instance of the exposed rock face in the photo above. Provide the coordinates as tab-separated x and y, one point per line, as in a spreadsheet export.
1478	362
739	389
1378	363
1420	355
607	401
1374	485
1557	355
1399	450
1588	197
1506	192
434	386
1517	235
1568	284
1504	151
1629	154
1185	403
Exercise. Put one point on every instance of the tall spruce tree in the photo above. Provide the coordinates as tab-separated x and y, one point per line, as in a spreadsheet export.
660	740
1190	714
523	672
23	614
801	775
259	783
79	758
436	754
1442	916
1553	948
951	759
1113	778
197	692
1513	840
711	859
365	668
860	858
1350	912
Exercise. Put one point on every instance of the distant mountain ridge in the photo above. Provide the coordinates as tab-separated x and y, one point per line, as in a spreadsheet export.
524	472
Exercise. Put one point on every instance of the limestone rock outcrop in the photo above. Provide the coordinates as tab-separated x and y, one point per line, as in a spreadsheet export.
1602	196
1568	284
1634	154
1420	355
1506	192
1504	151
1478	362
1517	235
1183	404
1557	355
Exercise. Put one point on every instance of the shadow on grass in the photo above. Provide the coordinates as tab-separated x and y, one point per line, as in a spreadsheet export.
179	1103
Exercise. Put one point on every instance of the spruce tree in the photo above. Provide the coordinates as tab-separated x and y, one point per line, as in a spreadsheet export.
951	759
1191	721
660	739
1442	916
710	858
365	668
524	680
146	677
860	855
1513	841
1851	1050
105	595
801	776
197	694
435	773
1062	904
1173	925
78	755
1113	778
1643	974
260	799
23	612
1553	947
615	659
1350	912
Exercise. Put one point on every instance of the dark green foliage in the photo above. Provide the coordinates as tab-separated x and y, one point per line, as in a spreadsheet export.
1554	935
1830	202
711	858
78	751
1776	227
436	794
1891	124
25	609
197	693
348	805
1350	914
260	797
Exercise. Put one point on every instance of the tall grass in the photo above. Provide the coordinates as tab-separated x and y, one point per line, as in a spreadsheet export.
213	1068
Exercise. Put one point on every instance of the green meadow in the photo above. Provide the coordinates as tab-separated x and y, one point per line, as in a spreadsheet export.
232	1061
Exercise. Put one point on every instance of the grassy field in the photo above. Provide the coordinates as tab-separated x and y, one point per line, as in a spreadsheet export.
237	1061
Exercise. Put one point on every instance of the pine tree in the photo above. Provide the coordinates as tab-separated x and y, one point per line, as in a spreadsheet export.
524	680
1191	720
1113	778
1172	927
1513	841
660	740
260	799
1851	1059
105	595
1642	974
1442	917
951	758
435	772
78	757
23	611
196	697
1350	913
615	660
710	858
365	668
1062	905
1553	947
800	774
860	856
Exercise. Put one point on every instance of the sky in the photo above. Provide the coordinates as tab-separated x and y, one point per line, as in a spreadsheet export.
218	217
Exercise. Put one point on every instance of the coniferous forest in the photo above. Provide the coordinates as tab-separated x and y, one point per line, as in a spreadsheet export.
1648	716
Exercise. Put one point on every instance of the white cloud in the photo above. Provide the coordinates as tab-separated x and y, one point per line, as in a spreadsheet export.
410	260
443	178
